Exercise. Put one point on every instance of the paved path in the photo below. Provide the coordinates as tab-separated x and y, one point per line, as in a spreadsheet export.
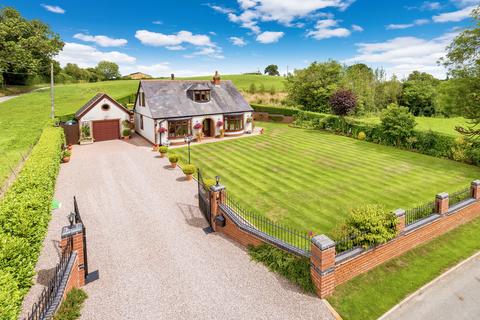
455	295
146	240
6	98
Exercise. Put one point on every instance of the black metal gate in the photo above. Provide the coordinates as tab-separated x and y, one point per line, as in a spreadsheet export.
204	199
78	219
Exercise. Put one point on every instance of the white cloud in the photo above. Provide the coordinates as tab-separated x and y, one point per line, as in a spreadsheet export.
269	36
102	41
284	12
54	9
238	41
427	5
219	8
157	22
454	16
403	55
418	22
327	28
175	48
88	56
157	39
464	3
357	28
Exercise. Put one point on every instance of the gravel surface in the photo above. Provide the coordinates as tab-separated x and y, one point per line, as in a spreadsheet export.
153	258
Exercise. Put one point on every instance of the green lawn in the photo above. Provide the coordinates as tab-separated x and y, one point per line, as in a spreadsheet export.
243	81
442	125
310	179
23	118
365	297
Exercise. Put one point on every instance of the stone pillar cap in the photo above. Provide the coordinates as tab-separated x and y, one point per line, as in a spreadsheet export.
323	242
476	183
442	195
216	188
399	213
69	231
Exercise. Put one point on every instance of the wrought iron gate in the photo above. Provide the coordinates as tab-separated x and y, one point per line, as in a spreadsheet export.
204	199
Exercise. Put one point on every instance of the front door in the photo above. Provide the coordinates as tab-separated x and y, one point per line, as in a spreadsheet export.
207	127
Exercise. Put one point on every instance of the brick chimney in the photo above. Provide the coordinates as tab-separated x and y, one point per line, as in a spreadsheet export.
172	76
216	79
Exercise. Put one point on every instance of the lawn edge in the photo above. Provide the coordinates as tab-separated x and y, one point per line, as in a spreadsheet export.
425	286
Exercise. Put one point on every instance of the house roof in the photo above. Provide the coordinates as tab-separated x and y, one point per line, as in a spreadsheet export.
169	98
92	102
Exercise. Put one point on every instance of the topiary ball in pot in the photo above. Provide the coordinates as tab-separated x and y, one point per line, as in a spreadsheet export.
173	158
163	151
189	170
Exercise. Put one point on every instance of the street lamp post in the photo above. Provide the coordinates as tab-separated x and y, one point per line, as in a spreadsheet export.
188	140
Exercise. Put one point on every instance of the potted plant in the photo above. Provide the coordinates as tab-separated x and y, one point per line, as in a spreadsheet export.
85	137
219	125
126	133
163	151
69	147
189	170
162	130
222	133
249	119
66	156
173	158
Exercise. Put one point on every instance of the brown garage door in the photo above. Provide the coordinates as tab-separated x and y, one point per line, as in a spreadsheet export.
106	130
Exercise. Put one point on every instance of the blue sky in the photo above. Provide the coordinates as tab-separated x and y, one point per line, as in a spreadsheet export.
197	37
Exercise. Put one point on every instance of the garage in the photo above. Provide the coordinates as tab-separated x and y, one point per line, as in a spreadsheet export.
106	130
101	119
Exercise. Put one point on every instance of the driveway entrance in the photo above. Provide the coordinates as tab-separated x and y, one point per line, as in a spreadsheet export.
148	246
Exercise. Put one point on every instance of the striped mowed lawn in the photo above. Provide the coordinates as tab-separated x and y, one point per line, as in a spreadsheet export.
310	180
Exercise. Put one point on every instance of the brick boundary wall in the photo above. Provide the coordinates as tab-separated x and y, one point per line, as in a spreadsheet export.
328	269
76	278
264	116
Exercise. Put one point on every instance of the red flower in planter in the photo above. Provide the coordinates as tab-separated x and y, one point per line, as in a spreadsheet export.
219	123
162	130
197	126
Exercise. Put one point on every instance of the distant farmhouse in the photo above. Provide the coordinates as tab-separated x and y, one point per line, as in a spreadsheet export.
138	76
168	110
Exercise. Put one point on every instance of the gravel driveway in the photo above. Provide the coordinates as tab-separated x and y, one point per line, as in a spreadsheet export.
146	240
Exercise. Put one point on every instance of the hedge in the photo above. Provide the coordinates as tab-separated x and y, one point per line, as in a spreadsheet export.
24	216
426	142
274	110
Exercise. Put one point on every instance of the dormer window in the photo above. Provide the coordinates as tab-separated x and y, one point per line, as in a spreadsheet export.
201	95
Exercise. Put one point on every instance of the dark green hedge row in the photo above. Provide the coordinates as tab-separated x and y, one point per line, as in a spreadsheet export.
426	142
24	216
274	110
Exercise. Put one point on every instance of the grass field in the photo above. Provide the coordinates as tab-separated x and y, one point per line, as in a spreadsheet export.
243	81
443	125
365	297
310	179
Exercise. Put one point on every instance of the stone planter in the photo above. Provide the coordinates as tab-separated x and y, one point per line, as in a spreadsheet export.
189	177
126	138
173	164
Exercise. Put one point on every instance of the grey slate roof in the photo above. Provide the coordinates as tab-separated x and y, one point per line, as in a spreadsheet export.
170	99
88	104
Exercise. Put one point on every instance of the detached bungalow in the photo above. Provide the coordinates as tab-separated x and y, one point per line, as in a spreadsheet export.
168	110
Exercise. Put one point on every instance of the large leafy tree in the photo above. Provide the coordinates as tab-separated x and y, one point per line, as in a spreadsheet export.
419	93
312	87
360	79
26	46
108	70
272	70
462	94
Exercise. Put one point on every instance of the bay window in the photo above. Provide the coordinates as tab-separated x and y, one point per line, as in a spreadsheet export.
179	128
233	122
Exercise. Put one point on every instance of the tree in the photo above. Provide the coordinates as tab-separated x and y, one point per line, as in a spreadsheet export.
463	91
343	102
312	87
272	70
419	93
26	46
397	124
360	79
108	70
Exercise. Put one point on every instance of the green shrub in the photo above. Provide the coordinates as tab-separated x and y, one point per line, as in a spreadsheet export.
66	153
173	158
25	212
209	182
397	124
10	297
126	132
189	169
163	149
274	110
72	305
361	136
275	118
295	269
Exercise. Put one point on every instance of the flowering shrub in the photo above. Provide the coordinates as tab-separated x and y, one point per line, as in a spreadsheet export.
219	123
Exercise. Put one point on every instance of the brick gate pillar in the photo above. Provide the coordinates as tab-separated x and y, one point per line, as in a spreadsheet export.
400	215
322	265
441	203
75	232
217	196
475	189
